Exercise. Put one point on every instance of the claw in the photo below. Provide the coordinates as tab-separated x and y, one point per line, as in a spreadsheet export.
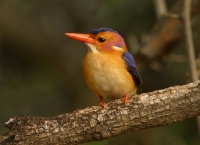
101	103
126	99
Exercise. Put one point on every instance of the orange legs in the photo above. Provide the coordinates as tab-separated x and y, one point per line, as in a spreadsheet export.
101	103
125	99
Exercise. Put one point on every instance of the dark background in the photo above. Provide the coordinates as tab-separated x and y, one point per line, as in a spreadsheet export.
41	69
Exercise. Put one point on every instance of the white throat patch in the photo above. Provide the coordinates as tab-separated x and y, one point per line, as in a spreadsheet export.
117	48
92	47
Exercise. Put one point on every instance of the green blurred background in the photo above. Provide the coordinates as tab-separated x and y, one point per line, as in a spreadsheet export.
41	69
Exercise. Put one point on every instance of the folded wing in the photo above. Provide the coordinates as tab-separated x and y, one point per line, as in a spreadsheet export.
131	67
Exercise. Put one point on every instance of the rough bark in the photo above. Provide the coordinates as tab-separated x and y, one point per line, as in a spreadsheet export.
142	111
167	33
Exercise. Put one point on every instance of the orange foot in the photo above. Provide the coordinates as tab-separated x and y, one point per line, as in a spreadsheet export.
101	103
125	99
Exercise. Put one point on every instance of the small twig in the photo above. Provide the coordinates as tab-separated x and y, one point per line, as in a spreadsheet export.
189	41
161	8
171	15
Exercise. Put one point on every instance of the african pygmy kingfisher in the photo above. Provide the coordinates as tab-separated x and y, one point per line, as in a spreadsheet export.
108	68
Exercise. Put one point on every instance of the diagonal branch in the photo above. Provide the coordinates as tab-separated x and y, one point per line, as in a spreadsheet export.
143	111
167	33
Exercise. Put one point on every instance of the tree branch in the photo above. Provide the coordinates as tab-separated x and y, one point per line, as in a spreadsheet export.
143	111
166	34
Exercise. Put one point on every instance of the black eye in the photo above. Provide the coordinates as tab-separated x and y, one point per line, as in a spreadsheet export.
101	39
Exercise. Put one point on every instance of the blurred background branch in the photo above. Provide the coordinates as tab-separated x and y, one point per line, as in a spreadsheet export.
167	33
189	40
160	7
190	46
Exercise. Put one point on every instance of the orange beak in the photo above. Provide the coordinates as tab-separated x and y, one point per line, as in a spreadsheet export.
81	37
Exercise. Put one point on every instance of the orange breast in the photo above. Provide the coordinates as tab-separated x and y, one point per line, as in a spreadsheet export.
107	75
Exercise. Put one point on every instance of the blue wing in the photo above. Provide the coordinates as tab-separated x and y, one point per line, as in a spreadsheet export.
131	67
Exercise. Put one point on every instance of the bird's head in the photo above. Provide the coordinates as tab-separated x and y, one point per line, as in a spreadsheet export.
104	40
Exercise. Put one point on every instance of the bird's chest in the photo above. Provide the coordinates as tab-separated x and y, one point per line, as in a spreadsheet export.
106	75
101	68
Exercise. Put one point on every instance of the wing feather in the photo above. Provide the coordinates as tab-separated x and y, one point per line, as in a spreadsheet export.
131	67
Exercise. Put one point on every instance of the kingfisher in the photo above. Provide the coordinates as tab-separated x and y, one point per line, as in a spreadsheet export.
108	68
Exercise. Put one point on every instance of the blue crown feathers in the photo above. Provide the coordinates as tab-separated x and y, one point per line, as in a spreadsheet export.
96	31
